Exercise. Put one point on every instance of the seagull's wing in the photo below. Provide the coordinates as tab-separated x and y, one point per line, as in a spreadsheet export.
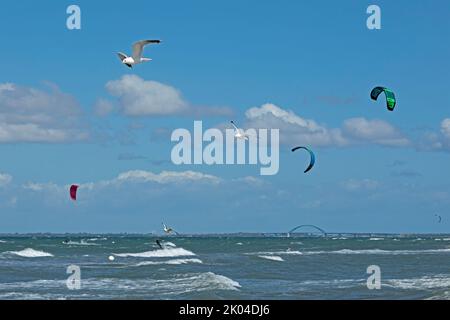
138	47
237	129
122	56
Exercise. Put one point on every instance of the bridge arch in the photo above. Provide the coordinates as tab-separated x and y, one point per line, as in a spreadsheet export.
308	226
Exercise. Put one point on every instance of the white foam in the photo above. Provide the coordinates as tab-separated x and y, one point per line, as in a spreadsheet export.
381	252
435	282
273	258
2	241
239	244
81	243
31	253
163	253
376	239
271	253
443	296
169	262
98	239
169	244
169	287
216	281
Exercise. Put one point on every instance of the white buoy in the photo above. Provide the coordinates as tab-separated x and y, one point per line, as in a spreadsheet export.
111	258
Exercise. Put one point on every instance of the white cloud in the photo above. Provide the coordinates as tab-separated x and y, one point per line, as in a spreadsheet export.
252	181
360	185
103	107
40	186
374	131
295	129
292	127
134	176
138	97
5	179
445	128
33	115
436	140
166	177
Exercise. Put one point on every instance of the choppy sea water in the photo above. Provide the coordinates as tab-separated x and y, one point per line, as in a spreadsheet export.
224	267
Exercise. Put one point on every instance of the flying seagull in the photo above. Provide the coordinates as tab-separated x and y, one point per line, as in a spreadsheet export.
136	58
168	230
239	133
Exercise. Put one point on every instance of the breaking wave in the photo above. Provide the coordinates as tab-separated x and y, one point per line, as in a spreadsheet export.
30	253
163	253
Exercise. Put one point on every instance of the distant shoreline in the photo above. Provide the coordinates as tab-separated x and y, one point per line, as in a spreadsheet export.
231	235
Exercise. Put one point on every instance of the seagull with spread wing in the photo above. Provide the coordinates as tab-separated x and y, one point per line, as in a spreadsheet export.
136	58
168	230
239	133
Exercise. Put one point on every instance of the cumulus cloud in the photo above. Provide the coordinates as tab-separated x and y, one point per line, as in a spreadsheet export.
5	179
445	128
374	131
138	97
437	140
34	115
103	107
294	128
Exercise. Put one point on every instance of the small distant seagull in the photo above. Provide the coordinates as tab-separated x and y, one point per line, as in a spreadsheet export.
168	230
439	218
136	58
239	133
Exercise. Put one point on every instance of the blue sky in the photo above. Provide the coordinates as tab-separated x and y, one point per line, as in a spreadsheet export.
66	115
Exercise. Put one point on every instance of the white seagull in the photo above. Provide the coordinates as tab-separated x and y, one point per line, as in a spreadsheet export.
239	133
136	58
168	230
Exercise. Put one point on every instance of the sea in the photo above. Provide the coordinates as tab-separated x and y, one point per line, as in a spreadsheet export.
224	267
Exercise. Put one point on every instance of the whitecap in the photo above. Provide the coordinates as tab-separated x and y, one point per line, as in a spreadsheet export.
273	258
163	253
169	262
271	253
30	253
427	282
81	243
380	252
